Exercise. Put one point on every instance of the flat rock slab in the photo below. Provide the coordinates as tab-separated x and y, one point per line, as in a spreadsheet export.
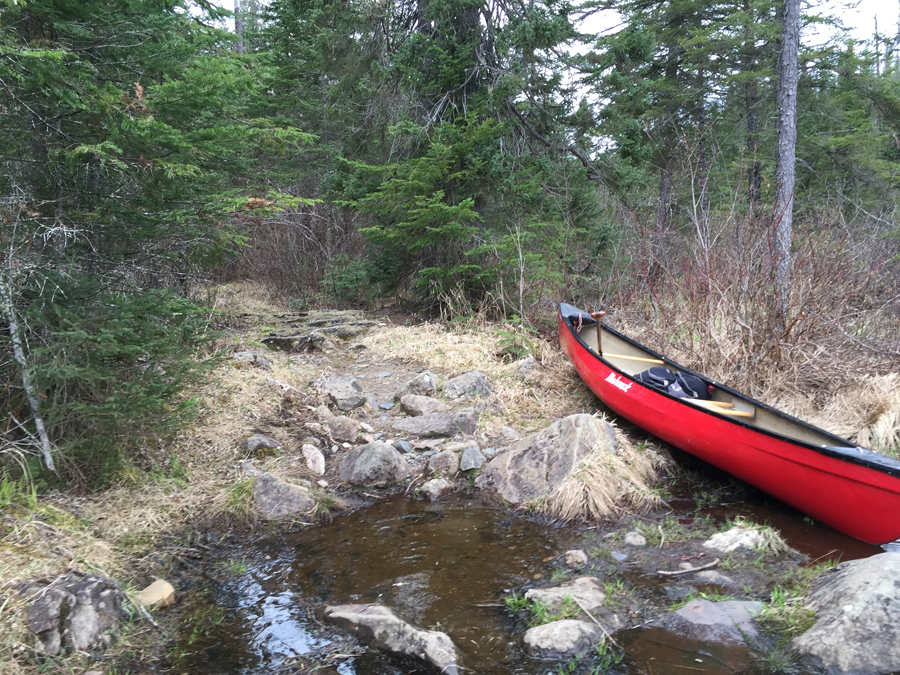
536	465
379	627
422	405
377	464
344	392
586	590
561	640
440	424
857	627
277	499
469	385
723	622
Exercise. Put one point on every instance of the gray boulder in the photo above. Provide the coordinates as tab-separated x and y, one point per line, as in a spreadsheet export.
536	465
344	428
253	359
468	385
380	628
344	392
258	442
437	488
377	464
415	405
75	612
471	459
444	463
423	384
440	424
587	590
725	622
561	640
857	627
277	499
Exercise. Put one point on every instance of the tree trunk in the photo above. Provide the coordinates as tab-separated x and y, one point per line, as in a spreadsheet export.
238	27
751	101
787	152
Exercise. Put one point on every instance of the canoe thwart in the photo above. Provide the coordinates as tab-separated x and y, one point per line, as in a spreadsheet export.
607	355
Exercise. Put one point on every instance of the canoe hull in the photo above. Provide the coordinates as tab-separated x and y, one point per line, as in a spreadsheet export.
857	500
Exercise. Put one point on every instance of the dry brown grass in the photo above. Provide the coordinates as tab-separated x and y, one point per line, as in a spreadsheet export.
452	350
607	484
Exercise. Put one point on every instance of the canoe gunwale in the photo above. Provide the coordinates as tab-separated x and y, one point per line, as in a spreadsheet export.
841	450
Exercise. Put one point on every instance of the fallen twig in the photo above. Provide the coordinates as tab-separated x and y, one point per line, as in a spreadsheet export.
149	618
599	625
688	571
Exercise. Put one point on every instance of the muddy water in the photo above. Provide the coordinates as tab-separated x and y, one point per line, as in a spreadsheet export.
444	565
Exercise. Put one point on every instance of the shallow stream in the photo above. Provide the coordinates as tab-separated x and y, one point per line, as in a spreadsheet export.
445	565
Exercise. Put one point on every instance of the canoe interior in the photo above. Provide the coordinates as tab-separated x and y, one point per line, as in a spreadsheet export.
763	418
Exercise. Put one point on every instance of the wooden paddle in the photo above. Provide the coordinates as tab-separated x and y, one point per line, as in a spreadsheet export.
598	317
711	405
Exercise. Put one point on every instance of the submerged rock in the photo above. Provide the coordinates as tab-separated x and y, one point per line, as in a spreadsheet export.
277	499
586	590
470	384
725	622
561	640
74	612
379	627
376	463
857	628
440	424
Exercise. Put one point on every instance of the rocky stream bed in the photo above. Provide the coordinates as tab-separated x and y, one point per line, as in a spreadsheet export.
400	527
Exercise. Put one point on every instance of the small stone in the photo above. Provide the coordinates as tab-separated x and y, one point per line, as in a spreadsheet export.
315	460
576	558
444	463
617	556
635	539
561	640
253	359
436	488
422	405
343	428
469	384
315	427
248	469
403	446
368	428
322	483
258	442
387	405
471	458
159	594
324	414
346	446
384	373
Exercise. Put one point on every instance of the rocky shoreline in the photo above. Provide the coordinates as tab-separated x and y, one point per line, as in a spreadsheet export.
363	429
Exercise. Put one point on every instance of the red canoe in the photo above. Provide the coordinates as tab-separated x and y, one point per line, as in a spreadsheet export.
852	489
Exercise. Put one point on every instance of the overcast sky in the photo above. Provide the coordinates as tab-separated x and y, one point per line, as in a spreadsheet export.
858	16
